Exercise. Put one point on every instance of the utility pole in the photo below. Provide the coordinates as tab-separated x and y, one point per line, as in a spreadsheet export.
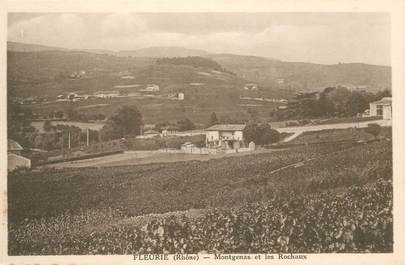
62	143
88	140
69	140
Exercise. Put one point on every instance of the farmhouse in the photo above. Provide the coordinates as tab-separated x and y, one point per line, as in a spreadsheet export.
382	108
150	133
250	86
106	94
151	88
14	158
180	96
169	130
127	77
227	136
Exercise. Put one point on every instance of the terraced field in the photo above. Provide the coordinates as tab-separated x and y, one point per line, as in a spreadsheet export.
77	210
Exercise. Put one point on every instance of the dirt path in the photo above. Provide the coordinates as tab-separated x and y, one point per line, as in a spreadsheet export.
301	129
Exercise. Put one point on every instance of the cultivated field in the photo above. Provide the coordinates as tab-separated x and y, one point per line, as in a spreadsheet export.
131	158
338	197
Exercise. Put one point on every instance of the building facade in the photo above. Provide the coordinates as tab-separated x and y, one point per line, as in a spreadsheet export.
15	161
14	158
226	136
381	108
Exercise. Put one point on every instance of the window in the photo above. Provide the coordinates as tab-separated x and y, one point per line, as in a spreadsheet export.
379	110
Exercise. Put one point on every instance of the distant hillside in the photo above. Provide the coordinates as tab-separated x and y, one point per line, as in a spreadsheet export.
195	61
22	47
49	73
152	52
161	52
48	65
306	76
44	62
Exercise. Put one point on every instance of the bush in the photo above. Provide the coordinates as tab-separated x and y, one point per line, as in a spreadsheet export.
126	121
260	134
373	129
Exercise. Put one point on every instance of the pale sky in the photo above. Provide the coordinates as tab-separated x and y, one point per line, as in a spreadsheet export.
327	38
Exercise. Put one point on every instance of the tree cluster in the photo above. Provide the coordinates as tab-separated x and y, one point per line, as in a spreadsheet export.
182	125
126	121
260	133
195	61
331	102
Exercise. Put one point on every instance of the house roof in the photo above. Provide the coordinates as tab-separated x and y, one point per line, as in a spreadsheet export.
383	101
170	128
18	156
151	132
13	145
227	127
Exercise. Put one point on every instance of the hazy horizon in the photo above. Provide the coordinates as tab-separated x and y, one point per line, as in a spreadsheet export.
324	38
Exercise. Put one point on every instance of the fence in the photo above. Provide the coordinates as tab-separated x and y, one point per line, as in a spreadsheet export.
203	150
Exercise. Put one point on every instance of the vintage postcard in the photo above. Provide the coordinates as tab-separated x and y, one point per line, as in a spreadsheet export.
217	132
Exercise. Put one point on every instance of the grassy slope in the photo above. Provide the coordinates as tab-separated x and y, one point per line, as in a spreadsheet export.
351	134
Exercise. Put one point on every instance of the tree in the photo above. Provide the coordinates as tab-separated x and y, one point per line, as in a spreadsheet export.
228	119
340	97
59	114
373	129
185	125
357	103
127	120
381	94
47	126
325	105
213	119
253	113
260	133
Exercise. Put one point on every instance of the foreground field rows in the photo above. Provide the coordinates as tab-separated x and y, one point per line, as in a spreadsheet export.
333	199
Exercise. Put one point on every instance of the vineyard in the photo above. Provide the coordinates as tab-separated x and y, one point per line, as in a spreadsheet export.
323	198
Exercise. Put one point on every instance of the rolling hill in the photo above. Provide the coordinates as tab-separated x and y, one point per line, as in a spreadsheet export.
211	82
152	52
161	52
23	47
267	72
306	76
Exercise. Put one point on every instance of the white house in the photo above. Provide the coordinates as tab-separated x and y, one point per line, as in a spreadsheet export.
382	108
169	131
14	158
106	94
151	88
127	77
251	86
227	136
280	81
15	161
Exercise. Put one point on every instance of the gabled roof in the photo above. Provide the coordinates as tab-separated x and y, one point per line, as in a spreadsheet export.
13	145
151	132
170	128
226	127
383	101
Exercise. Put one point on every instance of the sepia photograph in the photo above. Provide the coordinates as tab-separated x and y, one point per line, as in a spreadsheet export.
199	133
